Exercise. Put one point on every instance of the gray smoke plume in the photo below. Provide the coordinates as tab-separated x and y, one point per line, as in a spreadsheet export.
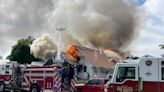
95	23
43	47
19	19
91	23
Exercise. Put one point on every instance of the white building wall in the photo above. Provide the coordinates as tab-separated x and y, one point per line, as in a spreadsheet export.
94	71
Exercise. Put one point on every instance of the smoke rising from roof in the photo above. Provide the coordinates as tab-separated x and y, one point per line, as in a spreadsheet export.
91	23
43	47
95	23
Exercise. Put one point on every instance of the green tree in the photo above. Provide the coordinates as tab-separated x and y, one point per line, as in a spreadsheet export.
162	46
21	52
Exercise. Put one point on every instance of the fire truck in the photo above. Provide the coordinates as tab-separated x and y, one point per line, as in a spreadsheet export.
51	78
145	74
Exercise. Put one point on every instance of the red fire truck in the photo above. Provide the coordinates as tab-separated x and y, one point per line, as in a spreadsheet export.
142	75
92	85
33	78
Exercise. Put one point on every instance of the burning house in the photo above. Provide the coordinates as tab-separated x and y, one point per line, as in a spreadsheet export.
96	24
91	62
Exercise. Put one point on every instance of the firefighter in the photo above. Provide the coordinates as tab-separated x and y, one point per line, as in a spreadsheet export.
16	80
71	73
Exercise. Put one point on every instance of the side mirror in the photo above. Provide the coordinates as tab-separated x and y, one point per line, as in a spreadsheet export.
110	76
86	83
140	84
105	86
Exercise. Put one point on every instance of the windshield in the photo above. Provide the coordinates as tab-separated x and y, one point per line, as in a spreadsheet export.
90	82
98	82
125	73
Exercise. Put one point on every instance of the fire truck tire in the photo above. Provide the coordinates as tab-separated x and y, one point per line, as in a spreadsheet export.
2	86
35	88
79	90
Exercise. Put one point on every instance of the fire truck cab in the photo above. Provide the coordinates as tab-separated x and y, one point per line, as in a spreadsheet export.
142	75
9	71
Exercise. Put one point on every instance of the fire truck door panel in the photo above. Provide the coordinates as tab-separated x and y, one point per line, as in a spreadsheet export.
148	69
90	86
48	79
48	82
150	87
87	88
126	86
149	72
99	87
126	79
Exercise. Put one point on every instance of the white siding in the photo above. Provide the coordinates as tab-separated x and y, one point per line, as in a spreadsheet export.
149	73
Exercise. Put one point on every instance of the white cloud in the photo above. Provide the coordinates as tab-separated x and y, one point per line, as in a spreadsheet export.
18	19
152	31
148	49
155	7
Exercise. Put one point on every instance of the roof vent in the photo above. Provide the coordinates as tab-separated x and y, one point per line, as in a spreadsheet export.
147	56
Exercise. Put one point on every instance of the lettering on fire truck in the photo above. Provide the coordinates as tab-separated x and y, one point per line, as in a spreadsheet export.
124	89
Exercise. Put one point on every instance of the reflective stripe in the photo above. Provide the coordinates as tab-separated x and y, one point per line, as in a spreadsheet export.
58	83
40	69
26	80
40	74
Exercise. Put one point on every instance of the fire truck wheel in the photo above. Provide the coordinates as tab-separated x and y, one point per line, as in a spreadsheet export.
35	88
2	86
79	90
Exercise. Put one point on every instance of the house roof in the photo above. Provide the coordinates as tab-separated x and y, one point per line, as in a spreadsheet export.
99	58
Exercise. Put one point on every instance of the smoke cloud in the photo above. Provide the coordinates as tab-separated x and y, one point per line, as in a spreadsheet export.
43	47
91	23
20	19
95	23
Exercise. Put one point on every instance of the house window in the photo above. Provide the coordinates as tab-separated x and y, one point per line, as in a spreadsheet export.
162	75
162	70
162	63
98	82
125	73
7	69
2	68
85	68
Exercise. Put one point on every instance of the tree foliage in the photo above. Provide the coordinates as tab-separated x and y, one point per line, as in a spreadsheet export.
21	52
162	46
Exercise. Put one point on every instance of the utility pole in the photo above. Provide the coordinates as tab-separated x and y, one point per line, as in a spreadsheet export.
58	58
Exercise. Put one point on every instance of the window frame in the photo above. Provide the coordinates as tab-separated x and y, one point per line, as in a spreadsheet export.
125	73
7	71
90	80
98	80
162	70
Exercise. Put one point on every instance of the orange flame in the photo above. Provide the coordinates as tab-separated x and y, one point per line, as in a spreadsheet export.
110	49
72	52
117	52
